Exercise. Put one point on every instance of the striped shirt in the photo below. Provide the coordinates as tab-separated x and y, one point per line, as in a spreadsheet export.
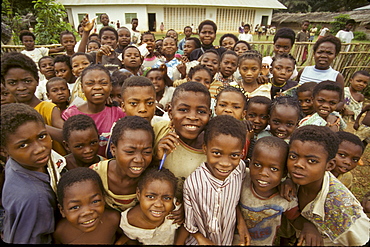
210	204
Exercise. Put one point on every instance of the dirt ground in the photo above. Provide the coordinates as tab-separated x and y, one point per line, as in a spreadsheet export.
361	174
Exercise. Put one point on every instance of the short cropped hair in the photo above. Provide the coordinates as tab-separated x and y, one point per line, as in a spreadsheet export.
321	135
191	86
87	55
329	38
228	35
66	32
51	80
207	22
199	67
350	21
229	52
18	60
153	173
137	81
349	137
260	100
13	116
285	33
196	41
77	123
95	67
63	59
77	175
361	72
243	42
119	77
286	101
225	125
26	33
328	85
44	57
130	123
306	87
108	28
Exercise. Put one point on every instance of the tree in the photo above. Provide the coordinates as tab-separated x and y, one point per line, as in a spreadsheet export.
50	21
321	6
339	23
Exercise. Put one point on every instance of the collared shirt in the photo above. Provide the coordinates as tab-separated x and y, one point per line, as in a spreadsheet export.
29	203
210	204
338	215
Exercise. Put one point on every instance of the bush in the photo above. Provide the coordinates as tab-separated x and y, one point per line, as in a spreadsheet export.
359	35
339	23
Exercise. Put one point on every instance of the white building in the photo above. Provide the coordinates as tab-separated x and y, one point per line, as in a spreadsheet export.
175	14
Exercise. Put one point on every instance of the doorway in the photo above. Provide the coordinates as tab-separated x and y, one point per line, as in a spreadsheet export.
152	22
264	21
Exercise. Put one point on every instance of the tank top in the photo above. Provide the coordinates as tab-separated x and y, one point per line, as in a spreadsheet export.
310	73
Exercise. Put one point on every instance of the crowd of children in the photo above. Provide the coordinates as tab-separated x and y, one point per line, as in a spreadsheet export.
125	139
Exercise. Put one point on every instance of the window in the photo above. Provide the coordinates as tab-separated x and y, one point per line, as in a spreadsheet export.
129	16
97	21
80	17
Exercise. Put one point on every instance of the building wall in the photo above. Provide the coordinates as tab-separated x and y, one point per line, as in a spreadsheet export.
227	19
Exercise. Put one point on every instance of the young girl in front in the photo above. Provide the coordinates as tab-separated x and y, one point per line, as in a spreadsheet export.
80	194
132	145
132	60
96	86
147	222
284	116
250	64
282	68
163	87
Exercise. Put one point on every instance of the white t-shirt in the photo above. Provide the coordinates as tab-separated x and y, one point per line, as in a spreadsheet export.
246	37
345	36
36	54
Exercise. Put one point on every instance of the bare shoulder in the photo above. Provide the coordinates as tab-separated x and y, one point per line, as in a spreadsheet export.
112	215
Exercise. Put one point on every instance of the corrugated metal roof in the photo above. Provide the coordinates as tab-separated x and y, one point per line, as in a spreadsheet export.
364	7
272	4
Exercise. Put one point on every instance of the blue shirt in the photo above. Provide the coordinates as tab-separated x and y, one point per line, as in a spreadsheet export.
29	203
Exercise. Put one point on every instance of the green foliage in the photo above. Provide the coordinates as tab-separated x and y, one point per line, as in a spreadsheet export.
295	6
359	35
12	18
50	17
339	23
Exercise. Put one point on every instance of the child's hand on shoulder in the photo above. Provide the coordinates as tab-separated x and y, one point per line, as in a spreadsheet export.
262	79
288	189
178	216
167	144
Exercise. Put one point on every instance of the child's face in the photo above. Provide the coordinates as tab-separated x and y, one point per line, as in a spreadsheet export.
173	34
228	65
156	200
96	86
132	58
134	24
148	39
104	19
307	163
188	32
359	82
305	26
94	37
325	102
30	146
228	43
6	96
169	47
258	114
58	91
157	79
109	38
211	61
139	101
282	45
189	113
92	47
84	145
158	45
306	102
347	157
223	155
28	42
116	95
79	63
282	70
133	152
68	41
324	55
83	205
21	84
231	103
246	29
348	27
189	47
207	35
283	121
202	77
47	67
266	170
249	70
240	48
63	71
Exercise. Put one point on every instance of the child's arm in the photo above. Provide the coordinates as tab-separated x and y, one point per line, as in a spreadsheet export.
178	215
356	125
167	144
245	238
56	119
56	49
55	133
181	235
288	189
309	233
87	26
